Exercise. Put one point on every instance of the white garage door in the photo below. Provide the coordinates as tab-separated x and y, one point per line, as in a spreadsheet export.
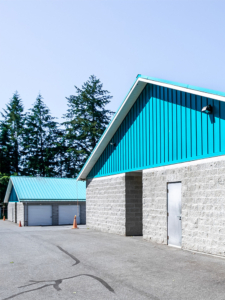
39	215
67	213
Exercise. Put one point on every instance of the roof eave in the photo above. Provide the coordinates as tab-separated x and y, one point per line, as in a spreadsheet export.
8	191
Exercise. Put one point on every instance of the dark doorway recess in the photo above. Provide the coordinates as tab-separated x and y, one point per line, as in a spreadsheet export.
134	204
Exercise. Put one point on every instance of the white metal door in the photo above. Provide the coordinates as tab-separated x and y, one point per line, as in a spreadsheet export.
39	215
174	214
67	213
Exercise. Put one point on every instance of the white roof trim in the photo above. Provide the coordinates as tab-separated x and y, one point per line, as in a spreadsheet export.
183	89
8	191
122	112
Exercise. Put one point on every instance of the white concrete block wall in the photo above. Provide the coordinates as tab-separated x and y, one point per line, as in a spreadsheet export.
11	211
20	213
105	204
203	204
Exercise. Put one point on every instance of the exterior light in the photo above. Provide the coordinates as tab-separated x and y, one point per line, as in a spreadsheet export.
207	109
113	144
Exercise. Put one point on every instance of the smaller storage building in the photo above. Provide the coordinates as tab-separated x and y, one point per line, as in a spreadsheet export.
44	201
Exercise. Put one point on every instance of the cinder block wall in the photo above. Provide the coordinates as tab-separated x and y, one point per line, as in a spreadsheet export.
105	204
133	204
11	213
203	204
114	204
20	213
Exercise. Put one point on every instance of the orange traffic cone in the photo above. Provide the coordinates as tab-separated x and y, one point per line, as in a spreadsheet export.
3	218
20	224
75	223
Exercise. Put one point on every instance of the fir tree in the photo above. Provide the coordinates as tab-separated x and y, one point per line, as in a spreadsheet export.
4	159
4	179
5	149
40	139
86	120
11	133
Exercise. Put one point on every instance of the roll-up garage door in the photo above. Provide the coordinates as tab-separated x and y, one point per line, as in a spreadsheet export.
39	215
67	213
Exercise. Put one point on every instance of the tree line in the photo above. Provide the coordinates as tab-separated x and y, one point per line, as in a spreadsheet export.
35	144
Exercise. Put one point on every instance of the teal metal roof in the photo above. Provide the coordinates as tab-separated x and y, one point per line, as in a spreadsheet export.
45	188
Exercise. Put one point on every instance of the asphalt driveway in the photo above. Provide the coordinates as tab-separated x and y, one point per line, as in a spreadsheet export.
61	263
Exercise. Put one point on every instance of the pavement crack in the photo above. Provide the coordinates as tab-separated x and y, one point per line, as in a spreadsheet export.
15	295
70	255
55	283
106	285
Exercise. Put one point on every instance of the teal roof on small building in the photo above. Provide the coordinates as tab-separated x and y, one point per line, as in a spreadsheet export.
45	189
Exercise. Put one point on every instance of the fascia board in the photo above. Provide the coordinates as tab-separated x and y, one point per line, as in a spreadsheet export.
8	191
184	89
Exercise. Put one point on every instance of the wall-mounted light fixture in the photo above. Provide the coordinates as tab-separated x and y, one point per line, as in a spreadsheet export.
207	109
113	144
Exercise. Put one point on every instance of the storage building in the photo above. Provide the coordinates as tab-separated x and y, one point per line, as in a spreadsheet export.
159	168
45	201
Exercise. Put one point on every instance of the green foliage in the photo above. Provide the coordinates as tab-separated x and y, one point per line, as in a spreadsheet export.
5	149
86	120
11	133
33	144
39	141
4	179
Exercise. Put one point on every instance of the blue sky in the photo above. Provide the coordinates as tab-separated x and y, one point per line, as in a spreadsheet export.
50	46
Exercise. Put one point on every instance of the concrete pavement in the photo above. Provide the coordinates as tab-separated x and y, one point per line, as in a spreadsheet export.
61	263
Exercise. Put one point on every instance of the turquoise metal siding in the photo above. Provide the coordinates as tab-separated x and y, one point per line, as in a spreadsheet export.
163	127
13	196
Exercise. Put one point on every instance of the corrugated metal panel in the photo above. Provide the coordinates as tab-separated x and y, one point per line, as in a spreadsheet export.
164	126
44	188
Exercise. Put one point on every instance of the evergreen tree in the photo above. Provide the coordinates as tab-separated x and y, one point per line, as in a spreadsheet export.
5	149
40	139
4	159
60	157
4	179
11	134
86	120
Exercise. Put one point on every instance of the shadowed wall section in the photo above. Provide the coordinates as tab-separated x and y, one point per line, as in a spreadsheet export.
134	204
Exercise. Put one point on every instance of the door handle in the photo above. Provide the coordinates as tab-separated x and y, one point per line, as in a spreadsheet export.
179	217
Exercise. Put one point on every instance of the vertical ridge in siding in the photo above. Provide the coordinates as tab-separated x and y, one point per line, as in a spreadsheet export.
179	126
222	125
166	111
184	126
